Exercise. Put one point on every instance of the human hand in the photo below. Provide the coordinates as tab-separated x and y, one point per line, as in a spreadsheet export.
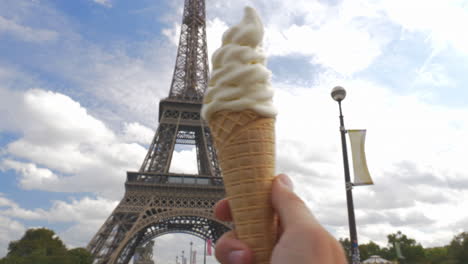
301	240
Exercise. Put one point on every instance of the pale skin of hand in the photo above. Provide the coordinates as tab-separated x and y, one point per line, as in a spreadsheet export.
302	240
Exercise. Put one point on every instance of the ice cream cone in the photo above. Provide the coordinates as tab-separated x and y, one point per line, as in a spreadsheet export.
246	150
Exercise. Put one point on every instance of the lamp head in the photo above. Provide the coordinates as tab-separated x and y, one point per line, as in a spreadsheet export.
338	93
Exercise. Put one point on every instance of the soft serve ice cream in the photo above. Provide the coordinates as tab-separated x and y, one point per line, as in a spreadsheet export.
239	78
239	110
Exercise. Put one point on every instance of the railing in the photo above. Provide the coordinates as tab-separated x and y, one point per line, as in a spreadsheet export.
151	178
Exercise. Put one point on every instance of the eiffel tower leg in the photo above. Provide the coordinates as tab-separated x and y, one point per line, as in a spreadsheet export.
96	244
202	155
206	154
128	252
127	246
110	235
160	152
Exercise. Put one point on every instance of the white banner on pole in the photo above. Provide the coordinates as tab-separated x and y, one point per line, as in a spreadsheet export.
361	172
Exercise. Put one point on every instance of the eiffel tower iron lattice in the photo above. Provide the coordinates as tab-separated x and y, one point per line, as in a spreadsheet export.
156	201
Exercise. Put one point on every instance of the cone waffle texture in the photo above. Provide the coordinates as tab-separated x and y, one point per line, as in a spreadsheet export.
245	145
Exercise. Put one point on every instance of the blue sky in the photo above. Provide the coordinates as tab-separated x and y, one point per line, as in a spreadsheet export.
80	83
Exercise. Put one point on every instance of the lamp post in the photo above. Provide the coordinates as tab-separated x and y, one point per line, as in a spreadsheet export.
191	253
338	94
206	229
204	252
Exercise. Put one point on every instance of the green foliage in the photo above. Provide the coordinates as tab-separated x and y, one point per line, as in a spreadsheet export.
458	248
436	255
42	246
412	251
369	249
454	253
80	255
37	242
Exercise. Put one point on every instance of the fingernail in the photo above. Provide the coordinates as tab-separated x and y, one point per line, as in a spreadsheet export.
236	257
286	181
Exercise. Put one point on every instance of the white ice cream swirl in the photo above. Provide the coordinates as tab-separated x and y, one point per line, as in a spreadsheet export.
240	79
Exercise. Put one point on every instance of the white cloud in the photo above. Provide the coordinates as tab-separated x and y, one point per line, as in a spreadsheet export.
442	21
85	209
9	230
135	132
79	234
433	75
48	112
339	37
123	87
58	134
86	216
25	33
345	49
119	82
172	34
11	209
350	35
31	176
106	3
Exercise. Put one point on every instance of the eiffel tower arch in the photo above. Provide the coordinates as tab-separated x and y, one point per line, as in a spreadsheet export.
157	201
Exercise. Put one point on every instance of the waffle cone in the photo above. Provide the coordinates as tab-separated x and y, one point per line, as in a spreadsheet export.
246	151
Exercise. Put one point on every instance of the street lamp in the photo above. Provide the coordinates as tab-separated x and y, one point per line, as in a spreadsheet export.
338	94
206	228
191	253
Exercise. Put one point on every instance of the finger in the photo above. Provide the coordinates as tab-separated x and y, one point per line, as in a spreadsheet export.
280	229
222	210
291	210
230	250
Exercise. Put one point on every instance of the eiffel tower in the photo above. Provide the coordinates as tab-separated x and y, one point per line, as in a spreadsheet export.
156	201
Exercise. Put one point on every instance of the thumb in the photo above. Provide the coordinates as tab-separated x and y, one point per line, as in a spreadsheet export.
292	211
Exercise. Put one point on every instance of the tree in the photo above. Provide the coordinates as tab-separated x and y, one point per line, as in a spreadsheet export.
458	248
410	249
80	255
369	249
436	255
43	246
37	244
454	253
